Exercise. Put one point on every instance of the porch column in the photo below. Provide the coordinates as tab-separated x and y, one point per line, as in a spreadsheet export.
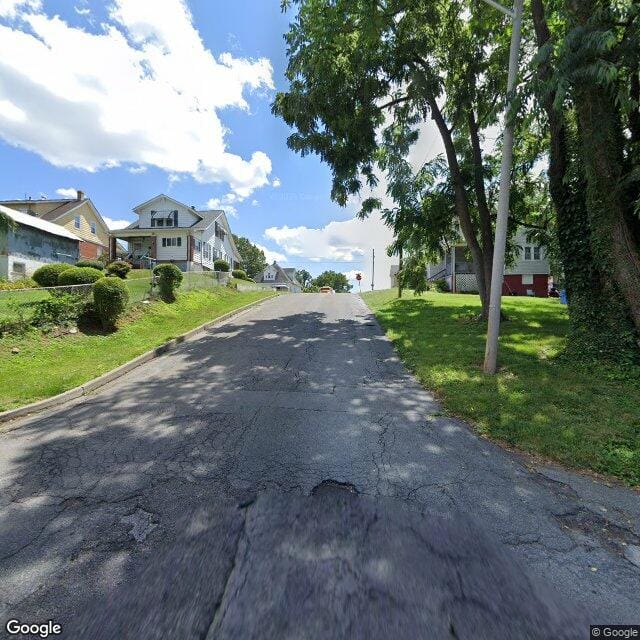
154	246
112	248
190	245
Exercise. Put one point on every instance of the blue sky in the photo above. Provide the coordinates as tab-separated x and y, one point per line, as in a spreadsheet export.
129	98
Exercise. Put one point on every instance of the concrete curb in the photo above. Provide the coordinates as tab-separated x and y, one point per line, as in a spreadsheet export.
105	378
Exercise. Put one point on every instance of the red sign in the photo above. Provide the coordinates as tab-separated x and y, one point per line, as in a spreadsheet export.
358	277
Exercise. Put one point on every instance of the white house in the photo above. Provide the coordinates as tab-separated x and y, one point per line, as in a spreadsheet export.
169	231
528	275
280	279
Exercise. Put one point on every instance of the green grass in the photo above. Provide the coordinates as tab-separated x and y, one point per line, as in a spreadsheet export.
47	366
583	417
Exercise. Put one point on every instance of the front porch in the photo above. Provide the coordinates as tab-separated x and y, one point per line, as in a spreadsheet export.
145	250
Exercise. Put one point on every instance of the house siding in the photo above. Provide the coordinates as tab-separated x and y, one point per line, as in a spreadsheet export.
87	216
33	248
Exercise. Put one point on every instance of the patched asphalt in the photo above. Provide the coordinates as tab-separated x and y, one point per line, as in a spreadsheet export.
285	476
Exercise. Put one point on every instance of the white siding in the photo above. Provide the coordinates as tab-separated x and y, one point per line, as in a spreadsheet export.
186	217
171	252
528	267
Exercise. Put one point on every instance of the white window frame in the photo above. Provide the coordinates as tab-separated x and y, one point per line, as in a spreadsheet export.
94	228
527	278
77	222
527	253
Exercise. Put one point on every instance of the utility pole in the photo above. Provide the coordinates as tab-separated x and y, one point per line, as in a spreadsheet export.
373	267
500	242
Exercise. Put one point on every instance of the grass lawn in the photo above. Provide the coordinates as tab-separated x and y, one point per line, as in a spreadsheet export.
586	418
47	366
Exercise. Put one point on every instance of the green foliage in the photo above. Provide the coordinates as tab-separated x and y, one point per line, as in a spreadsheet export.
441	286
24	283
118	268
110	300
253	259
47	275
337	281
221	265
169	278
61	308
304	278
79	275
240	274
94	264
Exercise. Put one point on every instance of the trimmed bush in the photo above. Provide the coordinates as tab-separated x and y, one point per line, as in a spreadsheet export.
169	279
79	275
240	274
110	299
94	264
47	275
221	265
119	268
441	286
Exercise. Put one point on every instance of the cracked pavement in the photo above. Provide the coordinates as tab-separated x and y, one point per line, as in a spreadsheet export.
179	502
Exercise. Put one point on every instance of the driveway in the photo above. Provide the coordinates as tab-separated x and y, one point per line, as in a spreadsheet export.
285	476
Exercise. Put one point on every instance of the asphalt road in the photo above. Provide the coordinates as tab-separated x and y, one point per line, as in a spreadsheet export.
285	477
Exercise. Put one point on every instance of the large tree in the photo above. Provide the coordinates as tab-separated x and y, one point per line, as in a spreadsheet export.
253	258
337	281
365	75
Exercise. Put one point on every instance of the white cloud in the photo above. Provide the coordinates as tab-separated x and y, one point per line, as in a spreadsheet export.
82	12
138	169
145	90
225	203
349	241
276	183
116	224
64	192
10	8
272	256
254	203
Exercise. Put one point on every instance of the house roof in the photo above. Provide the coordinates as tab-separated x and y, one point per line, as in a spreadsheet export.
58	208
282	277
38	223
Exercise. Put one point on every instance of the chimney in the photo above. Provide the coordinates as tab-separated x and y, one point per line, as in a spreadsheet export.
80	195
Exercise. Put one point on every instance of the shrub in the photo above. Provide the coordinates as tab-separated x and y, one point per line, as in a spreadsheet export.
221	265
119	268
25	283
110	299
58	309
79	275
94	264
47	275
169	279
240	274
441	286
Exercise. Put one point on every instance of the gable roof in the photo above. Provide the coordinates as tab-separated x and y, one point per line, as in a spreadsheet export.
164	195
38	223
59	208
282	277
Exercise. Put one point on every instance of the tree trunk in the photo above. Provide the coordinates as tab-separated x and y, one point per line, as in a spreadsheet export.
400	273
608	204
595	315
462	207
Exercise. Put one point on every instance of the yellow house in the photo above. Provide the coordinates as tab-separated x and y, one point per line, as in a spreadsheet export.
78	216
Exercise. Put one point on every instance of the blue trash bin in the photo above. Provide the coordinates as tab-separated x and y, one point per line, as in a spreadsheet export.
563	296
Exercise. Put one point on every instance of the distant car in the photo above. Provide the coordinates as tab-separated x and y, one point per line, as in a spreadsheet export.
326	290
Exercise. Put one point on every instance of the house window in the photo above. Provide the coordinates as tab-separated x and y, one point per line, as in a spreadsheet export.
93	228
527	279
527	253
171	242
198	245
19	268
536	253
159	222
76	222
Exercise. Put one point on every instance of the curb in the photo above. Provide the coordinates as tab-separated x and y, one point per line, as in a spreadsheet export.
105	378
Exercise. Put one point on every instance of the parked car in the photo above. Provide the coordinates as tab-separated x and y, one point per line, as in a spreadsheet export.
326	290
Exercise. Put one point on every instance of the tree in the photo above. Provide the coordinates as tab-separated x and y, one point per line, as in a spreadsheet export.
337	281
359	68
253	258
304	277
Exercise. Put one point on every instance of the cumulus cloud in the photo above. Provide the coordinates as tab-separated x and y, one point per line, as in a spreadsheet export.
65	192
276	183
272	256
144	91
115	224
225	203
349	241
